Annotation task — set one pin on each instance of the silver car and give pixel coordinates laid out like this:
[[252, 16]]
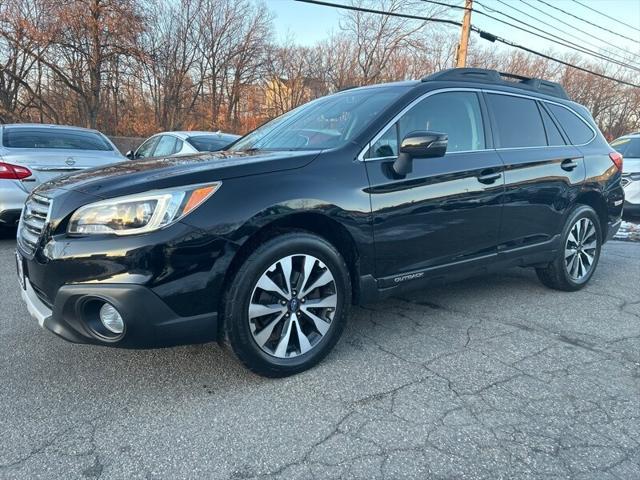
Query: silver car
[[629, 147], [167, 144], [31, 154]]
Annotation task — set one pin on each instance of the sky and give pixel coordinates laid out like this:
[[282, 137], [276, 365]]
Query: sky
[[308, 24]]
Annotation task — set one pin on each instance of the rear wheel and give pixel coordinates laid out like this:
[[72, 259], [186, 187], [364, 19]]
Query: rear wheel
[[579, 255], [287, 305]]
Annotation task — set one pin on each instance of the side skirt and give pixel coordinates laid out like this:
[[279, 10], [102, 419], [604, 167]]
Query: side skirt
[[372, 289]]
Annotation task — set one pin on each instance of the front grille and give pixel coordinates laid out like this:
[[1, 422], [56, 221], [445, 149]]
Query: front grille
[[626, 180], [35, 217]]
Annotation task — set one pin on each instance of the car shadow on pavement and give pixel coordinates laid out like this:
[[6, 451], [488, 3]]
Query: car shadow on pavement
[[7, 233]]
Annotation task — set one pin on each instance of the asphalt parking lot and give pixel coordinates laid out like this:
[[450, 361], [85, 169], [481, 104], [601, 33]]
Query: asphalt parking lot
[[493, 377]]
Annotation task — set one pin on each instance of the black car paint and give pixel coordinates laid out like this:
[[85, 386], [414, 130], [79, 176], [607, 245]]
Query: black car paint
[[439, 222]]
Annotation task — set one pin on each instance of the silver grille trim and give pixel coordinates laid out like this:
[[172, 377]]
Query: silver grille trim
[[34, 219]]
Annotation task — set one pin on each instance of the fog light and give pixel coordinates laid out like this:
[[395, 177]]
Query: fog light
[[111, 319]]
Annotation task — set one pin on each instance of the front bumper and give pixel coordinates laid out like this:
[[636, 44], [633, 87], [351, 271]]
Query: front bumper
[[631, 196], [149, 322], [166, 285]]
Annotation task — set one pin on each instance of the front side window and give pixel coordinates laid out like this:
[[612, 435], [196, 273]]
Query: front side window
[[576, 129], [457, 114], [327, 122], [53, 138], [518, 121], [146, 149]]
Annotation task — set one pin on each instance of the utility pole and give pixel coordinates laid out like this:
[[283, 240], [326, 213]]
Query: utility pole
[[461, 53]]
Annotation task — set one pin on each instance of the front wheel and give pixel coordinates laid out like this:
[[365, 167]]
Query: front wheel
[[579, 255], [287, 305]]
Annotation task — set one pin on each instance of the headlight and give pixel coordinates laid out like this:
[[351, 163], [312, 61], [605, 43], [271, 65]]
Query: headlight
[[139, 213]]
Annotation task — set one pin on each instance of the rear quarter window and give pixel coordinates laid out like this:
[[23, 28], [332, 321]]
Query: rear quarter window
[[53, 138], [576, 129]]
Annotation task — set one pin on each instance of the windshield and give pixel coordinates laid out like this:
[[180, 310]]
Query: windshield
[[327, 122], [56, 138], [629, 146]]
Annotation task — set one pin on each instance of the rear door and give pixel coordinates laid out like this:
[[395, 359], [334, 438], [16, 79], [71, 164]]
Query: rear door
[[167, 145], [543, 172], [49, 152], [148, 147]]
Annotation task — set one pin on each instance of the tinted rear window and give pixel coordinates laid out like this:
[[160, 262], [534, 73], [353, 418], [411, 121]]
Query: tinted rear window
[[518, 120], [54, 138], [209, 143], [578, 132]]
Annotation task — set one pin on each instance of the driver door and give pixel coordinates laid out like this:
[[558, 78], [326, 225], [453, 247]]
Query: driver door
[[447, 211], [147, 148]]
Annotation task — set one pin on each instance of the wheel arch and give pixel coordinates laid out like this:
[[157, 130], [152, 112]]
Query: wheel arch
[[596, 201], [310, 222]]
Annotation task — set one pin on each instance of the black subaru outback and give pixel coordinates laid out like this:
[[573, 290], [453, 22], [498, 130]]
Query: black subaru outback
[[347, 199]]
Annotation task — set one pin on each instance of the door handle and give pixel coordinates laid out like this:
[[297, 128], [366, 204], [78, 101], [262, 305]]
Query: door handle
[[569, 164], [489, 178]]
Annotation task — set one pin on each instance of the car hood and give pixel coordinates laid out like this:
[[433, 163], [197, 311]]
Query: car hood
[[135, 176]]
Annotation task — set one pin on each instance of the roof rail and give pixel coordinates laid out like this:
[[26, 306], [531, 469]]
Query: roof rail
[[482, 75]]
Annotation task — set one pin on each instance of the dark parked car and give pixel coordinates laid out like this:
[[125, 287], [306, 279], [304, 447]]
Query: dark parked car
[[347, 199]]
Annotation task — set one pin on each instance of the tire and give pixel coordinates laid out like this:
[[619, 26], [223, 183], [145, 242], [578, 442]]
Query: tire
[[257, 323], [569, 271]]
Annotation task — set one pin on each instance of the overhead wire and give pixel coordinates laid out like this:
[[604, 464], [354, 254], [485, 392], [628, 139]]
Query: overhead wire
[[617, 20], [551, 37], [484, 34], [635, 40]]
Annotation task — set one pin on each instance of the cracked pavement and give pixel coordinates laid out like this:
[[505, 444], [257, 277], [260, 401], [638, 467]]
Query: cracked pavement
[[494, 377]]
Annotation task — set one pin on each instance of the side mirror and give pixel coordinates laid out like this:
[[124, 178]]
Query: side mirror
[[419, 145], [130, 155]]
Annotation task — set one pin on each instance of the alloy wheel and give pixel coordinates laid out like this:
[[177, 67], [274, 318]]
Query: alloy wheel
[[580, 249], [292, 306]]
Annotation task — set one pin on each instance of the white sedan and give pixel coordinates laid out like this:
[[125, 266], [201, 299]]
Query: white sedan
[[167, 144]]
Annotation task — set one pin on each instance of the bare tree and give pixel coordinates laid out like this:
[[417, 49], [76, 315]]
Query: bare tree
[[21, 73], [170, 55], [77, 39]]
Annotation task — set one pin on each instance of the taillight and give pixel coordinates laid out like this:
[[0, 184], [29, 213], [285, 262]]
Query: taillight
[[13, 172], [616, 158]]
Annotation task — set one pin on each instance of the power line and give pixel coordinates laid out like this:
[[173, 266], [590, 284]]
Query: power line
[[611, 52], [551, 37], [635, 40], [484, 34], [549, 57], [617, 20], [391, 14], [559, 39]]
